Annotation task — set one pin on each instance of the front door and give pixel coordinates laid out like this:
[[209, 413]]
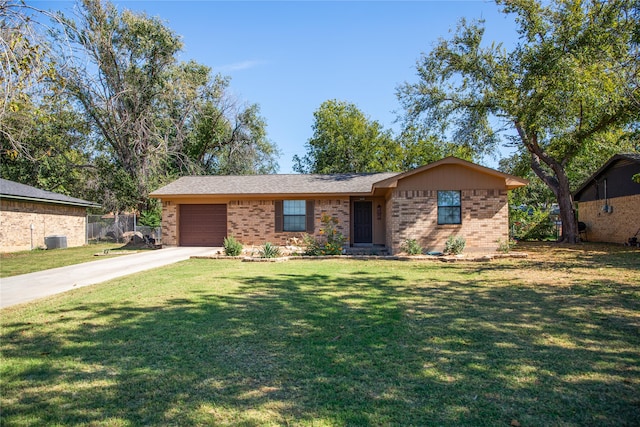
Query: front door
[[362, 223]]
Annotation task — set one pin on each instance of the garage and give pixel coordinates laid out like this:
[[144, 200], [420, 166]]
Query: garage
[[203, 225]]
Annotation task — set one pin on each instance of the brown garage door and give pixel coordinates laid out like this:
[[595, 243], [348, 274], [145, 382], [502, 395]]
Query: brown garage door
[[203, 225]]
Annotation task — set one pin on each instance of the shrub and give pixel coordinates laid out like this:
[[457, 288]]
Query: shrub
[[331, 242], [454, 245], [151, 218], [412, 247], [269, 251], [231, 246], [505, 246], [531, 224]]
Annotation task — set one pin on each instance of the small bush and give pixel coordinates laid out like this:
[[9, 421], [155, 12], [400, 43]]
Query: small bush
[[269, 251], [412, 247], [454, 245], [331, 242], [505, 246], [231, 246]]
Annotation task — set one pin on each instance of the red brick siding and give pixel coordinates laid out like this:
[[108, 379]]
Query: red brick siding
[[252, 222], [413, 214], [169, 224]]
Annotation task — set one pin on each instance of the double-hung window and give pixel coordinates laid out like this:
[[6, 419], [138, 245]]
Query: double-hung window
[[449, 207], [294, 215]]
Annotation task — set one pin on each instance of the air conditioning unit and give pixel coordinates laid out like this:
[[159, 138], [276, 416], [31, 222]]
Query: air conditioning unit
[[55, 242]]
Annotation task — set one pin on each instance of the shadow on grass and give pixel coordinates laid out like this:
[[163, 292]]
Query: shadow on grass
[[356, 348]]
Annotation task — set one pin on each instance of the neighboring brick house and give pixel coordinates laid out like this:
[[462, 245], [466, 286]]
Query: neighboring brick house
[[28, 215], [609, 201], [429, 204]]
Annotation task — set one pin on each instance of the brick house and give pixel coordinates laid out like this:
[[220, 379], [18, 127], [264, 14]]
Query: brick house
[[429, 204], [28, 215], [609, 201]]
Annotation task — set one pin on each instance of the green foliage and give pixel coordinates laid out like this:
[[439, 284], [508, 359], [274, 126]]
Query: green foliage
[[531, 223], [346, 141], [151, 217], [560, 94], [454, 245], [152, 117], [270, 251], [412, 247], [231, 246], [331, 241]]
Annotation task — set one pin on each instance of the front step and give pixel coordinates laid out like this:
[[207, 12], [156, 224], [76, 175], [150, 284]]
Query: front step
[[367, 250]]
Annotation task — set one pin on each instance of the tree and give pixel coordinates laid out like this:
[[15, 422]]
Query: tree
[[345, 140], [52, 154], [122, 87], [568, 87], [25, 68], [149, 111], [230, 140]]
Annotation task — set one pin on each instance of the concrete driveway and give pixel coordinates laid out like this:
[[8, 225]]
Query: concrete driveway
[[28, 287]]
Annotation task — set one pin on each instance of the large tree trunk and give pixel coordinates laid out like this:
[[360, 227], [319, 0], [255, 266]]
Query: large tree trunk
[[559, 184], [570, 233]]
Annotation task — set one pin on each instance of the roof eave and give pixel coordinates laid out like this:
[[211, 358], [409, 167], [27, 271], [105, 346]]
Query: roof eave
[[55, 202], [255, 195], [604, 167]]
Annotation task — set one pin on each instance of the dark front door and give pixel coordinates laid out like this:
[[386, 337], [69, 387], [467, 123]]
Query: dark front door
[[362, 222]]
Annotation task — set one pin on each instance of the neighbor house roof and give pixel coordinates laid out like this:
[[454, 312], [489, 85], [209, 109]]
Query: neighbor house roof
[[15, 190], [296, 184], [623, 157]]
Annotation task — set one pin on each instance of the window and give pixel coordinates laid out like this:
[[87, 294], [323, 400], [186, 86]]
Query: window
[[294, 215], [449, 207]]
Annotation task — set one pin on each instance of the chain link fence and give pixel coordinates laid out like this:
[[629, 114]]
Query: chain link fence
[[119, 228]]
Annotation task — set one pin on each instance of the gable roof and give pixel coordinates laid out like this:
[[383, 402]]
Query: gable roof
[[511, 181], [625, 157], [15, 190], [297, 184]]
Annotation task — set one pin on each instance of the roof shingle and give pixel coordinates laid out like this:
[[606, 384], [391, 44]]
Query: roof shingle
[[15, 190], [272, 184]]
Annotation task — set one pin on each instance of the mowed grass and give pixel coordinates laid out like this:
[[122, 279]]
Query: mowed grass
[[14, 263], [550, 340]]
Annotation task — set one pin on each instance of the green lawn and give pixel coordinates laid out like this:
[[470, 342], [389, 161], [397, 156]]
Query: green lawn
[[550, 340], [14, 263]]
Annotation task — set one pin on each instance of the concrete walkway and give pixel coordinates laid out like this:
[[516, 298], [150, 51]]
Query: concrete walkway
[[28, 287]]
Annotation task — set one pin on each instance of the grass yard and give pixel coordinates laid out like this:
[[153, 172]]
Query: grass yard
[[14, 263], [552, 340]]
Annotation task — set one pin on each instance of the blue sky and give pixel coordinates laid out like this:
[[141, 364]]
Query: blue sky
[[290, 56]]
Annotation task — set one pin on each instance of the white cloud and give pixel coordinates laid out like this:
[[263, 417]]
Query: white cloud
[[238, 66]]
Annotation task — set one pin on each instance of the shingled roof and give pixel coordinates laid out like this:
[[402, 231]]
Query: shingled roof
[[15, 190], [286, 184], [633, 158]]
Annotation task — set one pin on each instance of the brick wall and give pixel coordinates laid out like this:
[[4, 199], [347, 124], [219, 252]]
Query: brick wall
[[413, 214], [614, 227], [16, 218], [252, 222], [169, 224]]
